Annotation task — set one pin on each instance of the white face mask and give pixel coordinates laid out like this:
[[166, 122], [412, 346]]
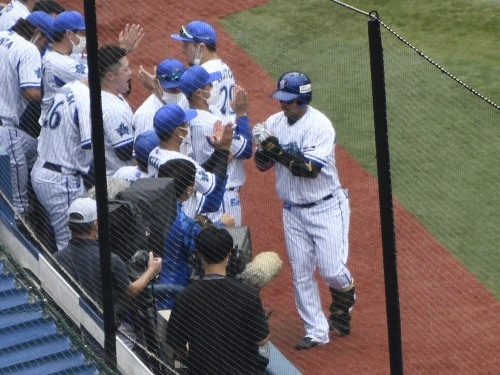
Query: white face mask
[[197, 59], [187, 136], [78, 48], [170, 98]]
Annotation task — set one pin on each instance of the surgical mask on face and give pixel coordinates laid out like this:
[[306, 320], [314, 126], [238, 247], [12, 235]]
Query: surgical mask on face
[[78, 48], [197, 59], [35, 38], [187, 136], [170, 98]]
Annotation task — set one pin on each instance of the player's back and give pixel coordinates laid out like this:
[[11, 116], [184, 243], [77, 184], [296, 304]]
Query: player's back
[[222, 92], [57, 70], [65, 138]]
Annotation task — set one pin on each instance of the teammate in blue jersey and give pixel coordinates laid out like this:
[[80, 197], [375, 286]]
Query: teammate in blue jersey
[[299, 142], [179, 244]]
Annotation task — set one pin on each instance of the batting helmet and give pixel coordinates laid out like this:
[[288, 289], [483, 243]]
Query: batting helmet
[[294, 85]]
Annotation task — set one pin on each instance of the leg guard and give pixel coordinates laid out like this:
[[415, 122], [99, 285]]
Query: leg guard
[[340, 309]]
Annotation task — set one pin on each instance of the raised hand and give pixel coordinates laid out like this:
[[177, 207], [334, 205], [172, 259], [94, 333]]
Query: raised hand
[[130, 37]]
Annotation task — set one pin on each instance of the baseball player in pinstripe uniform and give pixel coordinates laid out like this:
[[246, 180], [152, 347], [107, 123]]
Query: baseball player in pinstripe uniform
[[300, 143], [170, 123], [196, 84], [64, 155], [200, 48], [58, 67], [166, 82], [20, 77], [115, 75]]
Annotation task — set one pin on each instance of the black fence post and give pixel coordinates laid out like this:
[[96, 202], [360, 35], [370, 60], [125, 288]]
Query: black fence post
[[385, 194], [100, 183]]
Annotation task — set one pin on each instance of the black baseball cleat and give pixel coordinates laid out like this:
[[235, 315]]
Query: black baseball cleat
[[307, 343]]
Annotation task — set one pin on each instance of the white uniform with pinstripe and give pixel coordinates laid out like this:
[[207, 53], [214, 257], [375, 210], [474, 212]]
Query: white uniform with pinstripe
[[65, 153], [201, 127], [315, 215]]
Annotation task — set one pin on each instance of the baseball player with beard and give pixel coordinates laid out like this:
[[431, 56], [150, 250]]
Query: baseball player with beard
[[165, 91], [199, 46], [65, 154], [300, 143], [171, 126], [196, 84]]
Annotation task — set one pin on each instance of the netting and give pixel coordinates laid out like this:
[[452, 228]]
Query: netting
[[165, 163]]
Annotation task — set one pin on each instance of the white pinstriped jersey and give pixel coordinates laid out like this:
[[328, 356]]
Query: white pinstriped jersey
[[201, 127], [65, 138], [57, 70], [130, 173], [20, 68], [143, 116], [11, 13], [223, 90], [314, 137], [117, 117], [204, 181]]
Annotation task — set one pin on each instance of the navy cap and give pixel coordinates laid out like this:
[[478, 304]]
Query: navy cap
[[43, 21], [195, 78], [145, 143], [169, 73], [197, 32], [170, 117], [69, 20]]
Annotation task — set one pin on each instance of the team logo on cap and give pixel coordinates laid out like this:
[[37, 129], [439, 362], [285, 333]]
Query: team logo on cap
[[282, 84], [305, 88]]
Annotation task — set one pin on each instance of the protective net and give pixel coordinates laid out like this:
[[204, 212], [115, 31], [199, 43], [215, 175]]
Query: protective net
[[202, 246]]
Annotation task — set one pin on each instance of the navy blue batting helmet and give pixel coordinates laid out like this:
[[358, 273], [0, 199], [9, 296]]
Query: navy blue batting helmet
[[294, 85]]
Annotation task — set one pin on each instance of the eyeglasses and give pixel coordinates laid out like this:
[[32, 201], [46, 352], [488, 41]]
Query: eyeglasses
[[186, 34]]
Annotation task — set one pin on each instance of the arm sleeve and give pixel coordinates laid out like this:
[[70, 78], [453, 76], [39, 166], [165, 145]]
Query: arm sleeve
[[177, 324], [258, 328], [241, 147]]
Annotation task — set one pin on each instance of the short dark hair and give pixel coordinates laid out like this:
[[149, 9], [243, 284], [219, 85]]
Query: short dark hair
[[182, 171], [24, 28], [48, 6], [214, 244], [109, 56]]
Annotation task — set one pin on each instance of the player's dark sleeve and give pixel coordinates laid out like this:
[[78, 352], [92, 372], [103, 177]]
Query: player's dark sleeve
[[125, 151], [217, 163], [300, 166], [243, 129], [212, 202], [29, 119]]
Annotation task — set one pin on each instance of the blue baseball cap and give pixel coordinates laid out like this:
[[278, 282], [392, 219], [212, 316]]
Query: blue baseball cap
[[169, 73], [195, 78], [68, 20], [196, 32], [43, 21], [144, 144], [170, 117]]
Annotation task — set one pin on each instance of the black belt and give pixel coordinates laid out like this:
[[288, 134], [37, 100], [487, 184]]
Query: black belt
[[309, 205], [57, 168]]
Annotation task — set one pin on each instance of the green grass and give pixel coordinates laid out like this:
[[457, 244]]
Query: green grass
[[445, 141]]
